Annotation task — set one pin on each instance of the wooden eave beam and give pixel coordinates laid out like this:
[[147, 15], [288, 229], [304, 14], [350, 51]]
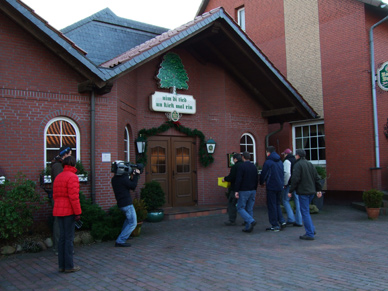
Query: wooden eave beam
[[278, 112]]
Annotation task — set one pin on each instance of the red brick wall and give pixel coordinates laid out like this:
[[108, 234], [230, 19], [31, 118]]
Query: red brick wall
[[269, 33]]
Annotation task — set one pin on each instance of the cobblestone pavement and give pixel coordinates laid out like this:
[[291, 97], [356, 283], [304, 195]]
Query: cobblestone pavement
[[349, 253]]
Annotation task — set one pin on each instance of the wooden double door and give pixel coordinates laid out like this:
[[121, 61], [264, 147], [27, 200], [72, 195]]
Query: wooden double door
[[171, 162]]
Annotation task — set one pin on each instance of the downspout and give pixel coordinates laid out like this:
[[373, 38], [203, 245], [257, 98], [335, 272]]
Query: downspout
[[92, 147], [272, 133], [372, 68]]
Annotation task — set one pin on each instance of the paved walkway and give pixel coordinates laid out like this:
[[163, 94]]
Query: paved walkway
[[350, 253]]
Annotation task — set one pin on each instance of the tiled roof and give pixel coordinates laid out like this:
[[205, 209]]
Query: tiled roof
[[104, 35], [165, 39]]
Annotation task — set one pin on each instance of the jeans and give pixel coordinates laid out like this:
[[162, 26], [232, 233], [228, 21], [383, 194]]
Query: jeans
[[291, 218], [65, 243], [275, 215], [304, 201], [245, 204], [232, 210], [129, 223]]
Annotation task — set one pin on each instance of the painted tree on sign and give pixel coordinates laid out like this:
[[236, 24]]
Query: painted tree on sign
[[172, 74]]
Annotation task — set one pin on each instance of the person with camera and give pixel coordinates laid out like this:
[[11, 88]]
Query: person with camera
[[125, 179], [56, 169], [67, 209]]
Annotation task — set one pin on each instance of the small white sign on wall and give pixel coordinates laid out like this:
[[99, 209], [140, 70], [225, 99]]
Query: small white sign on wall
[[106, 158]]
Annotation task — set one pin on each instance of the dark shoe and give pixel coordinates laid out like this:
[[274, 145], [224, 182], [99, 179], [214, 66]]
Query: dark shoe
[[244, 223], [246, 230], [229, 223], [298, 225], [283, 225], [290, 223], [305, 237], [124, 245], [75, 269], [274, 229], [61, 270], [250, 228]]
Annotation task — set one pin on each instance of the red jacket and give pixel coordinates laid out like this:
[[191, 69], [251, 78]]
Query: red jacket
[[66, 193]]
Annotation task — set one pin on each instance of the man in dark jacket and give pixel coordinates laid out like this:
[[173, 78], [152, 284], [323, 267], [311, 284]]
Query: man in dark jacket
[[122, 183], [272, 175], [288, 164], [245, 187], [306, 182], [232, 200]]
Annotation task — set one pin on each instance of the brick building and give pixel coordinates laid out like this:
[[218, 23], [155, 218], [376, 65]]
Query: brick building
[[323, 48], [96, 94]]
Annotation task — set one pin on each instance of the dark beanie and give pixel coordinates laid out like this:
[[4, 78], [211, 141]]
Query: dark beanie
[[301, 153]]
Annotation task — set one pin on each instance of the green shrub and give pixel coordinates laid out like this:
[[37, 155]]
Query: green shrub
[[373, 198], [110, 227], [153, 195], [321, 171], [91, 213], [141, 209], [18, 201]]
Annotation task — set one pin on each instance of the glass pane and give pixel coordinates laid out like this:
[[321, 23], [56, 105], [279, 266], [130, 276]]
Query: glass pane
[[53, 142], [306, 131], [162, 169], [308, 155], [250, 148], [314, 155], [179, 168], [67, 128], [321, 142], [69, 141], [54, 128], [298, 132], [321, 129], [313, 130], [306, 143], [242, 140], [298, 143], [322, 154]]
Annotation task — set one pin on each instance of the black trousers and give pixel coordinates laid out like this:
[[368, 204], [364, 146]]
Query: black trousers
[[232, 209]]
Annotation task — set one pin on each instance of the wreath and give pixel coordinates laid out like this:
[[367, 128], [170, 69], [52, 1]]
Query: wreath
[[204, 158]]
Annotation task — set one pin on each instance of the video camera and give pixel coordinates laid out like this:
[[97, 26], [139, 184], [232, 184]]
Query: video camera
[[120, 168]]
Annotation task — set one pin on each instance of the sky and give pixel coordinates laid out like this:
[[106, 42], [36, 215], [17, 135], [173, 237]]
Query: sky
[[165, 13]]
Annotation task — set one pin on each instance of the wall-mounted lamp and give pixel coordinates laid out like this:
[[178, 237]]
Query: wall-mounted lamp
[[210, 146], [141, 144]]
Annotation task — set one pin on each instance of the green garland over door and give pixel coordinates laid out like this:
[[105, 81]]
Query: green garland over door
[[204, 158]]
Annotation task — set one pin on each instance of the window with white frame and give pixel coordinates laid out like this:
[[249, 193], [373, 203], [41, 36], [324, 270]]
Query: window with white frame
[[126, 144], [311, 138], [241, 17], [60, 132], [248, 144]]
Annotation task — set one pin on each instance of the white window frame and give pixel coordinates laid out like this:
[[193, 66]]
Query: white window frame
[[253, 154], [309, 124], [241, 17], [77, 139], [127, 143]]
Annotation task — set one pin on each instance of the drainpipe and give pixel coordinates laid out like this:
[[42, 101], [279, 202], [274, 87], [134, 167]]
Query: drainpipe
[[373, 74], [92, 147], [272, 133]]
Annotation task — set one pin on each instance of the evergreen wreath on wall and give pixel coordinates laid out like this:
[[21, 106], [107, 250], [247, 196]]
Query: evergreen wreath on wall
[[204, 158]]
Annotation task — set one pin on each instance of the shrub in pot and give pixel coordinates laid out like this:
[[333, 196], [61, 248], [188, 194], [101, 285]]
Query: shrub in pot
[[373, 200], [153, 195]]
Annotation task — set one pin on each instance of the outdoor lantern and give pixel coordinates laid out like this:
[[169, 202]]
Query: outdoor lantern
[[140, 143], [210, 145]]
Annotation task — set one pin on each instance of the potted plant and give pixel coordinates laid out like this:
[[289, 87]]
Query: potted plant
[[81, 172], [154, 197], [318, 202], [46, 175], [141, 214], [373, 200]]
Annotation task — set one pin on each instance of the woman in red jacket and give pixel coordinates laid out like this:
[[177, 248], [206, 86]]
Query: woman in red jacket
[[67, 209]]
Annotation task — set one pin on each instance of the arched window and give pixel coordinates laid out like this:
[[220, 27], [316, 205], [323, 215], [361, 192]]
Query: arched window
[[126, 145], [61, 131], [247, 143]]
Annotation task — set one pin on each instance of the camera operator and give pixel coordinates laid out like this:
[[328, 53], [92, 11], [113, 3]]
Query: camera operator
[[122, 183]]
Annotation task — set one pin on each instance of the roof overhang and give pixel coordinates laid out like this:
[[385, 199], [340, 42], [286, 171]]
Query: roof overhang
[[215, 38]]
